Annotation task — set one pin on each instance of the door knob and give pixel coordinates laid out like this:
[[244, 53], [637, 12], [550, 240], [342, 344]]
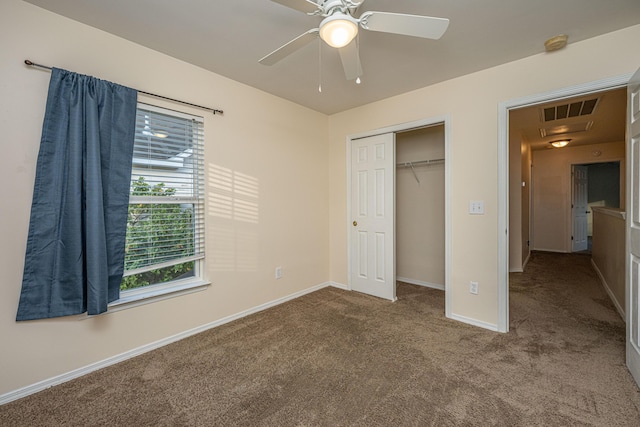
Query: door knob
[[355, 223]]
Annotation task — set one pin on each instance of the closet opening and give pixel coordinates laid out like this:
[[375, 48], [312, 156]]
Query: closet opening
[[399, 209], [420, 206]]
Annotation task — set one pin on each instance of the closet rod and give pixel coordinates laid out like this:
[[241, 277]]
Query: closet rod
[[214, 110], [419, 162]]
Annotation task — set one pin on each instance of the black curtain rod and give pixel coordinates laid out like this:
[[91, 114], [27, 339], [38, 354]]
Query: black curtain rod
[[214, 110]]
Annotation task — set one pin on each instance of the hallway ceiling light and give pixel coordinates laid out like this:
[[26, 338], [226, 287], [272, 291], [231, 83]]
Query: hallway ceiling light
[[560, 143]]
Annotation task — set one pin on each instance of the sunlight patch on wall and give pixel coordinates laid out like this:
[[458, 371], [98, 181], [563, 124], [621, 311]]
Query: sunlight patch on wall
[[233, 249], [233, 209], [232, 195]]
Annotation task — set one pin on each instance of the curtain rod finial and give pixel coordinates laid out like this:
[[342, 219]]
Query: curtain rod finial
[[26, 61]]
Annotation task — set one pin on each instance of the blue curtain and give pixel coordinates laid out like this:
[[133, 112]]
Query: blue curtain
[[75, 246]]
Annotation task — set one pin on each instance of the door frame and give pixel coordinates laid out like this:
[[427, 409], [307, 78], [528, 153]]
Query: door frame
[[503, 172], [403, 127], [572, 210]]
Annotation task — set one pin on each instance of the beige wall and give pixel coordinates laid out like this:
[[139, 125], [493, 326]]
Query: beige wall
[[281, 146], [472, 103], [608, 253], [525, 208], [515, 200], [519, 199], [552, 222], [420, 207]]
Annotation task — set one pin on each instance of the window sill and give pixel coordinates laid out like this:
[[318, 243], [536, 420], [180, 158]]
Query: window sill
[[138, 297]]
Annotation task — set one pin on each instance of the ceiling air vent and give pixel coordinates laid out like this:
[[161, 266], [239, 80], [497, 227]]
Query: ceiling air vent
[[565, 111]]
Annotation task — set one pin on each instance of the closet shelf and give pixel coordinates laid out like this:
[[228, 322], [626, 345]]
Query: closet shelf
[[418, 163]]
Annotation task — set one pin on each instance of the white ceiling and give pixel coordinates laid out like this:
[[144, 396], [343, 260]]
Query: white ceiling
[[229, 37]]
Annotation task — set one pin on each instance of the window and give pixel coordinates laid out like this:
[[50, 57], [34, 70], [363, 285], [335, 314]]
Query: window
[[165, 227]]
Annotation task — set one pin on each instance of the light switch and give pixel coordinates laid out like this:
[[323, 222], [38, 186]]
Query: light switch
[[476, 207]]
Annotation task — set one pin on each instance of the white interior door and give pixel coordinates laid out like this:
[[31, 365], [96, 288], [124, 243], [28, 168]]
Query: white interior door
[[580, 206], [372, 239], [632, 312]]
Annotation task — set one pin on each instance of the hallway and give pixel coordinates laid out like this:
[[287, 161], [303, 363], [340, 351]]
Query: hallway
[[581, 337]]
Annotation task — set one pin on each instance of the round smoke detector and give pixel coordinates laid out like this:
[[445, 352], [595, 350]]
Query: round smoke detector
[[556, 43]]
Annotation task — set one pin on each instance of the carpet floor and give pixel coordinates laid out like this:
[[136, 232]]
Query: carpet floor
[[334, 358]]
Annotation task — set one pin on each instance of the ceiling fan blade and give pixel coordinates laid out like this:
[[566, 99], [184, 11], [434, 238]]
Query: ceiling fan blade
[[306, 6], [286, 50], [351, 60], [409, 25]]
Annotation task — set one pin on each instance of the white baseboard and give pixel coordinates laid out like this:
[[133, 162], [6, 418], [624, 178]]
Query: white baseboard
[[557, 251], [339, 286], [59, 379], [474, 322], [526, 261], [606, 287], [421, 283], [524, 264]]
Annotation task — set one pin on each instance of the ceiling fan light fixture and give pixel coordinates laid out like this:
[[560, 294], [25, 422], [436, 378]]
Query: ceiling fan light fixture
[[338, 29], [560, 143]]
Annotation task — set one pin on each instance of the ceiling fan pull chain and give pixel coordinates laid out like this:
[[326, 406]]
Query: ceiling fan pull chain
[[319, 65], [358, 81]]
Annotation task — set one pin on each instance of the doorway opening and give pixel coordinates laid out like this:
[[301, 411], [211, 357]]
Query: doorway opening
[[549, 207], [597, 184]]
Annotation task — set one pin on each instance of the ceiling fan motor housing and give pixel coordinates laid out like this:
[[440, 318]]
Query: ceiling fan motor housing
[[329, 7]]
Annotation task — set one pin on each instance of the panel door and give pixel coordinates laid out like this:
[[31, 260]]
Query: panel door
[[632, 293], [580, 207], [372, 222]]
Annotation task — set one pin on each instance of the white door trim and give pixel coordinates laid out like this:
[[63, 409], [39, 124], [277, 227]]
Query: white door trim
[[503, 173], [577, 193], [446, 120]]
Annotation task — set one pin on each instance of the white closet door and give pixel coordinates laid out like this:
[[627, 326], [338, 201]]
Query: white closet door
[[372, 251]]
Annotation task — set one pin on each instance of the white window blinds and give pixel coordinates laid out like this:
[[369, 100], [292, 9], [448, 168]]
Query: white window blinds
[[165, 230]]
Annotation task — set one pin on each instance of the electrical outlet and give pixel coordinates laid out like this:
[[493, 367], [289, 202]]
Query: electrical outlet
[[278, 272], [473, 288]]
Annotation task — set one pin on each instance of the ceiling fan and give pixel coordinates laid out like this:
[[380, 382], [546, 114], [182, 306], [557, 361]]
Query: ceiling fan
[[339, 27]]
